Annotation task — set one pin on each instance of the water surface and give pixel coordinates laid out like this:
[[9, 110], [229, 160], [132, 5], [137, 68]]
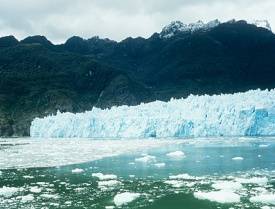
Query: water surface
[[163, 173]]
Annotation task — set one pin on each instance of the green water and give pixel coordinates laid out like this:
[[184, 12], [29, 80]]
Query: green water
[[206, 163]]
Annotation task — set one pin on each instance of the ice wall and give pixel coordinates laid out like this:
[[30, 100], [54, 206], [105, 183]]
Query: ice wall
[[242, 114]]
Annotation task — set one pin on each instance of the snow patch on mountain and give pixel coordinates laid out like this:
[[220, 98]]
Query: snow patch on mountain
[[177, 27], [261, 24]]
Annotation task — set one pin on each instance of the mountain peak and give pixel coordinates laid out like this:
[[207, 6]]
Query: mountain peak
[[176, 27], [8, 41], [37, 39]]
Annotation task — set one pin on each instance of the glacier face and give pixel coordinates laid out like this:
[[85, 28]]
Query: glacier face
[[242, 114]]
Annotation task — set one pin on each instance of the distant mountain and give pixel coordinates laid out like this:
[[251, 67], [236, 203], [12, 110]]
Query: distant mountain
[[178, 27], [8, 41], [38, 78], [261, 23], [37, 40]]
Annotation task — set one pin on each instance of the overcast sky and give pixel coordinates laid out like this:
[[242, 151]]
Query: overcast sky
[[117, 19]]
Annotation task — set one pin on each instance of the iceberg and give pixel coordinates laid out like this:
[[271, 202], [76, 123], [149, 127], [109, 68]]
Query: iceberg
[[218, 196], [125, 198], [251, 113]]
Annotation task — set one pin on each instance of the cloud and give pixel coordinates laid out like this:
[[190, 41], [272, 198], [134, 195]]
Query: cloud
[[118, 19]]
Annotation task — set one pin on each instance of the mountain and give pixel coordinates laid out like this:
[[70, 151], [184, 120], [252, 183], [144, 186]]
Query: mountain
[[36, 81], [8, 41], [178, 27], [37, 40], [197, 58], [38, 78], [261, 23]]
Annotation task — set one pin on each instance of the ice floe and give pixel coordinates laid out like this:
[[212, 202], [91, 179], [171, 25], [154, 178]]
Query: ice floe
[[28, 177], [237, 158], [109, 207], [176, 154], [108, 183], [264, 198], [50, 152], [35, 189], [184, 176], [125, 198], [77, 170], [227, 185], [27, 198], [222, 196], [160, 165], [8, 191], [253, 180], [49, 196], [102, 176], [174, 183], [146, 159], [264, 145]]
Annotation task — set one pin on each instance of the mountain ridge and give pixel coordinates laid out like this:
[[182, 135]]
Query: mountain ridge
[[39, 78], [174, 25]]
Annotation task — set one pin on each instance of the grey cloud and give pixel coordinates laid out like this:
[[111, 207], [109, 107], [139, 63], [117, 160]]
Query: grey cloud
[[117, 19]]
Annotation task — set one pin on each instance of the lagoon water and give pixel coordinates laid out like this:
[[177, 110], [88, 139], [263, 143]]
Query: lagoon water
[[151, 174]]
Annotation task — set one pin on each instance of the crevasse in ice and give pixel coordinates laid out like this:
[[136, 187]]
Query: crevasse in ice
[[241, 114]]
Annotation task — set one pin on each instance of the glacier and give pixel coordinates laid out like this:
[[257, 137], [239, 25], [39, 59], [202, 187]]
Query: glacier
[[251, 113]]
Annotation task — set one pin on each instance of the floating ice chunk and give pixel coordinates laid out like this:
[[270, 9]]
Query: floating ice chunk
[[253, 180], [218, 196], [50, 196], [56, 205], [28, 177], [190, 184], [109, 207], [8, 191], [237, 158], [184, 176], [79, 189], [43, 184], [159, 165], [77, 170], [27, 198], [174, 183], [264, 145], [267, 207], [49, 152], [146, 159], [35, 189], [125, 198], [102, 177], [264, 198], [68, 202], [176, 154], [108, 183], [227, 185]]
